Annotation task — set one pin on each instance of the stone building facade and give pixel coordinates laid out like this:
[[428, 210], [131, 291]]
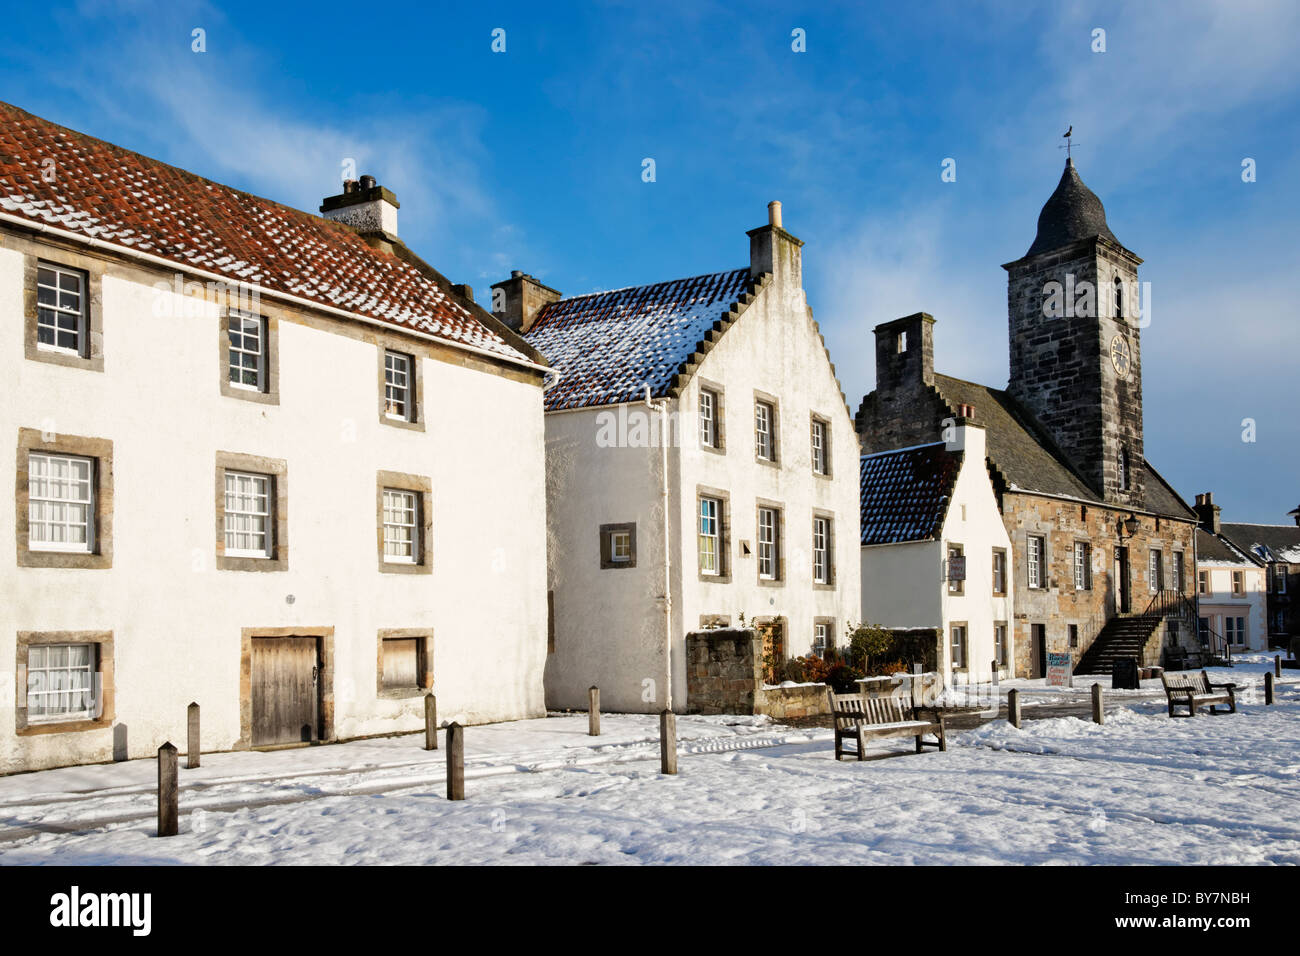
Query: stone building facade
[[1103, 548]]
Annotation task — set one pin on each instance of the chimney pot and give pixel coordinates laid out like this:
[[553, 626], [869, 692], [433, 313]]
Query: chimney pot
[[367, 182], [774, 213]]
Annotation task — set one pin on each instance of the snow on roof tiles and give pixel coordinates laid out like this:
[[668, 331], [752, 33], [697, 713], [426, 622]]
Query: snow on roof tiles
[[905, 493], [608, 346], [120, 197]]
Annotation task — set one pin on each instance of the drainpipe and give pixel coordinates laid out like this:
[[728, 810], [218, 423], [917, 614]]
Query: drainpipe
[[662, 408]]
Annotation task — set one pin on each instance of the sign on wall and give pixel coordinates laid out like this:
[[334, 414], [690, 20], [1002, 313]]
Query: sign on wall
[[957, 567], [1058, 670]]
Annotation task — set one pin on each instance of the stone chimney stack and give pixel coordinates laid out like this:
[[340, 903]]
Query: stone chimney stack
[[1208, 512], [772, 249], [517, 300], [905, 354], [367, 207]]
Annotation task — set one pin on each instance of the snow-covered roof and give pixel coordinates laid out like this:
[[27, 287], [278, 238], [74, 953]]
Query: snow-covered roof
[[1268, 542], [608, 346], [122, 198], [905, 492]]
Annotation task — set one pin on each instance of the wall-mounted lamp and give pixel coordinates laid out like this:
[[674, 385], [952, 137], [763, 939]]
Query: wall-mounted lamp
[[1129, 526]]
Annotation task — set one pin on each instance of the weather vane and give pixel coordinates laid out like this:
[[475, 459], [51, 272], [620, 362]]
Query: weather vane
[[1068, 142]]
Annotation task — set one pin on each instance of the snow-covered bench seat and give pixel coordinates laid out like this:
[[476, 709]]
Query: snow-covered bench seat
[[1196, 690], [859, 716]]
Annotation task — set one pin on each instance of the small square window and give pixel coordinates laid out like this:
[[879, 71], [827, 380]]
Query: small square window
[[618, 545], [405, 667]]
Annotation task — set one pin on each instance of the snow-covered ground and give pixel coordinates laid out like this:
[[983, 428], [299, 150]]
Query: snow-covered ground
[[1139, 789]]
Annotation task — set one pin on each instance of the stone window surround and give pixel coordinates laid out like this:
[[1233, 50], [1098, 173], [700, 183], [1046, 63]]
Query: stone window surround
[[270, 393], [719, 417], [93, 269], [1000, 654], [1003, 553], [607, 562], [830, 633], [948, 548], [99, 449], [829, 473], [832, 581], [1043, 577], [1087, 568], [424, 663], [278, 469], [325, 651], [724, 539], [775, 425], [423, 487], [388, 343], [781, 533], [965, 644], [103, 641]]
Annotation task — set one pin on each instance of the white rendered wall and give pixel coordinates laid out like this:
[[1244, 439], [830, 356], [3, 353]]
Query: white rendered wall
[[1220, 602]]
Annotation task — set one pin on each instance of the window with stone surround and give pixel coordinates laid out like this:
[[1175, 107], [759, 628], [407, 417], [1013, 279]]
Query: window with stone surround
[[1035, 554], [404, 522], [252, 513], [764, 431], [1238, 583], [958, 646], [999, 571], [1279, 578], [769, 544], [62, 321], [618, 545], [1202, 582], [64, 501], [1000, 642], [1156, 570], [1082, 566], [821, 460], [821, 540], [64, 681], [250, 345]]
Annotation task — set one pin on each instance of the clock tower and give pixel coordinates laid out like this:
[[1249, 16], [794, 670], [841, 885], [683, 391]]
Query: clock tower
[[1074, 317]]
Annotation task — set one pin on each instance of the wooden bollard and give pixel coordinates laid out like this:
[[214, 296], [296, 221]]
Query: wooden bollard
[[1013, 707], [430, 722], [1268, 688], [668, 742], [1098, 712], [455, 762], [1277, 665], [593, 711], [168, 791], [192, 759]]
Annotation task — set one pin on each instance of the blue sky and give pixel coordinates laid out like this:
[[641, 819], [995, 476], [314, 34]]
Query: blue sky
[[531, 159]]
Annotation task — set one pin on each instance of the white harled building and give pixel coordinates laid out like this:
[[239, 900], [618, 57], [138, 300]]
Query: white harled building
[[750, 509], [267, 461]]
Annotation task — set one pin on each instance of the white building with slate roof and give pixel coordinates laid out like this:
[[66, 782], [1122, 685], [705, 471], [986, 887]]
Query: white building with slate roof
[[749, 509], [936, 554]]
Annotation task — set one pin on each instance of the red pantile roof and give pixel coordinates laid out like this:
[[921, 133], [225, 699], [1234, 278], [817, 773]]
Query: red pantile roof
[[122, 198]]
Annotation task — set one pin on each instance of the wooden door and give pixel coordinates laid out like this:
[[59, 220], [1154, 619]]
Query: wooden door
[[286, 690]]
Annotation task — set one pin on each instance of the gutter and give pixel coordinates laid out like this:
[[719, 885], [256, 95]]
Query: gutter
[[662, 407], [173, 266]]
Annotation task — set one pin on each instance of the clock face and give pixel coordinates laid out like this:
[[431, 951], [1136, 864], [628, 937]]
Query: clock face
[[1119, 355]]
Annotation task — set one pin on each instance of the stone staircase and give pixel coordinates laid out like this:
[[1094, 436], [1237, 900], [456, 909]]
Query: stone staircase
[[1121, 637]]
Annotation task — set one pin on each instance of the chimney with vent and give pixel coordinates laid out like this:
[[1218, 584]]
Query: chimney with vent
[[519, 299], [772, 249], [1208, 512], [367, 207]]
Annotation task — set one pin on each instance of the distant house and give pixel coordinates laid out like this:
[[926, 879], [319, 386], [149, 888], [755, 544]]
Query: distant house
[[1277, 548], [935, 552], [263, 460], [701, 466], [1231, 587]]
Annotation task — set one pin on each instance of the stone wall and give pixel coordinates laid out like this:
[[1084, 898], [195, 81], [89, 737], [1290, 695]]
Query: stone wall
[[724, 675]]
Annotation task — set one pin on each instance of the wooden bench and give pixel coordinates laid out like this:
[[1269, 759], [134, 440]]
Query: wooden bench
[[1196, 690], [859, 716]]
